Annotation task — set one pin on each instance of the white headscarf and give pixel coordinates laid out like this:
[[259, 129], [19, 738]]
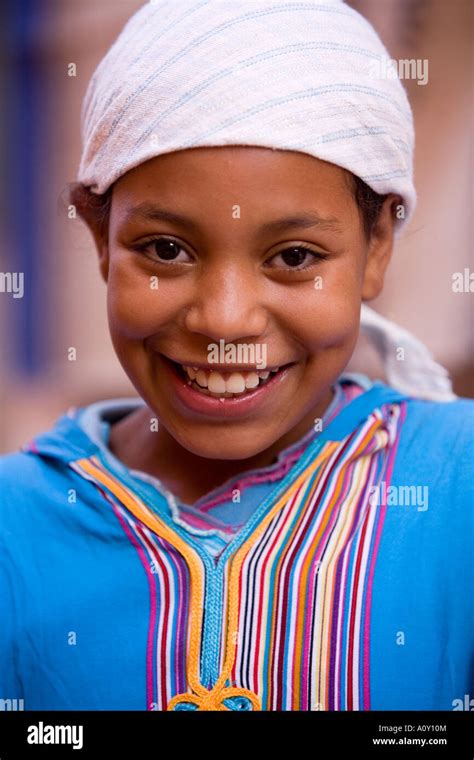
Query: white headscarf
[[283, 74]]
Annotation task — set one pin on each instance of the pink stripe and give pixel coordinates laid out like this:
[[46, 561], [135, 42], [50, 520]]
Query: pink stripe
[[250, 480], [153, 604], [195, 521], [366, 651]]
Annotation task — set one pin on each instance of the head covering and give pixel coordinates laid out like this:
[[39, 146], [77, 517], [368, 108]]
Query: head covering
[[283, 74]]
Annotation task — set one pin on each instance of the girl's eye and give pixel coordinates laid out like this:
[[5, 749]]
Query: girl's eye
[[168, 251], [295, 258], [165, 250]]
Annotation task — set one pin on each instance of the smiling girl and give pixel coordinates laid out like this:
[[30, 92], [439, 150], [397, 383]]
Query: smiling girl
[[234, 280], [224, 541]]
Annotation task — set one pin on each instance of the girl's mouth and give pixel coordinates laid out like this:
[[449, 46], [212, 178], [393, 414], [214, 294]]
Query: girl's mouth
[[224, 384], [226, 393]]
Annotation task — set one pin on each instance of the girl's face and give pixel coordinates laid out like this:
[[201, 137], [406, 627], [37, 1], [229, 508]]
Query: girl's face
[[259, 252]]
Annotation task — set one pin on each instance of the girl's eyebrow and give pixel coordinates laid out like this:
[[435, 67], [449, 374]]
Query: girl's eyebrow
[[303, 220]]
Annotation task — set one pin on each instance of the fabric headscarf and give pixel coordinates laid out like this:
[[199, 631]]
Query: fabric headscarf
[[281, 74]]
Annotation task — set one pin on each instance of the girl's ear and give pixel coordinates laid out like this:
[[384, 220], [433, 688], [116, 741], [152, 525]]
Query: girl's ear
[[94, 210], [379, 249]]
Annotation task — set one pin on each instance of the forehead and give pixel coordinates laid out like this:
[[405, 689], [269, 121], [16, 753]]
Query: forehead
[[200, 189], [234, 172]]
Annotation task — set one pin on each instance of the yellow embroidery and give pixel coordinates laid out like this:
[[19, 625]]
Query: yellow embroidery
[[214, 699]]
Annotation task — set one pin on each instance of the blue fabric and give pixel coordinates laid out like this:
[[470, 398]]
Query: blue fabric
[[74, 603]]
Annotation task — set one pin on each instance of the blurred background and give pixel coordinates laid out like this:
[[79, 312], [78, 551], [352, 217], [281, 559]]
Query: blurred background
[[64, 297]]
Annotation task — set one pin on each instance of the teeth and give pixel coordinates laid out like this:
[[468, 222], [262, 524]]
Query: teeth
[[201, 378], [235, 383], [252, 380], [192, 372], [225, 385], [216, 383]]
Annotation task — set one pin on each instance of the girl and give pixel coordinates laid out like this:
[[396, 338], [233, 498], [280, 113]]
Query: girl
[[271, 534]]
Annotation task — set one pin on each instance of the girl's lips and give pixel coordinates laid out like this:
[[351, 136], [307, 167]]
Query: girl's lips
[[238, 406]]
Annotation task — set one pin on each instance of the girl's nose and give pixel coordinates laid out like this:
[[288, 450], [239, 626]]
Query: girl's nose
[[227, 304]]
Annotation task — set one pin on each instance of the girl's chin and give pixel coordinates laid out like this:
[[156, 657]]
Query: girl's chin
[[215, 445]]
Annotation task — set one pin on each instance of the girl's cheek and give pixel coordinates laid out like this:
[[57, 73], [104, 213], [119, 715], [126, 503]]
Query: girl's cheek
[[329, 313], [140, 304]]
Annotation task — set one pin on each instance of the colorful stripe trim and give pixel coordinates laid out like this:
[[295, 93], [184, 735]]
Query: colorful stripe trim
[[294, 626]]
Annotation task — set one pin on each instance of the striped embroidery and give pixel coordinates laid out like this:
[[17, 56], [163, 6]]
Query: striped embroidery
[[169, 582], [294, 628], [169, 585], [305, 590]]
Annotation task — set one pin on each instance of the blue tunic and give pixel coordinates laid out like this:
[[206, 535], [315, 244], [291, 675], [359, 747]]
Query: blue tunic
[[96, 569]]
